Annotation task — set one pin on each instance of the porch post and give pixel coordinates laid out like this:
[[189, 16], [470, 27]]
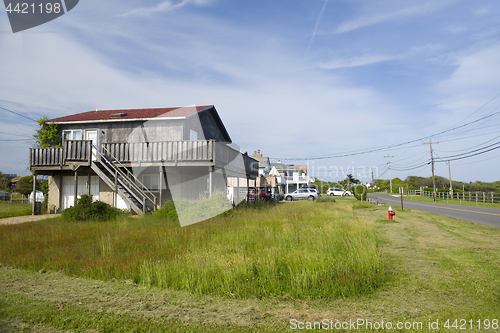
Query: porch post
[[116, 189], [248, 191], [160, 189], [34, 194], [88, 185], [238, 191], [60, 192], [210, 171], [76, 187]]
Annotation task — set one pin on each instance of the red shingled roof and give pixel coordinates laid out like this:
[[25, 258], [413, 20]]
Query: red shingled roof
[[103, 115]]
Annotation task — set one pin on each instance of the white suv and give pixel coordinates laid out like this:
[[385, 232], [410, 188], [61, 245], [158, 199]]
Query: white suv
[[303, 193], [337, 191]]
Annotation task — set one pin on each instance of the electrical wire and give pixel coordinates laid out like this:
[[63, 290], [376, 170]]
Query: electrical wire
[[491, 158], [491, 100], [19, 114], [23, 135], [387, 147]]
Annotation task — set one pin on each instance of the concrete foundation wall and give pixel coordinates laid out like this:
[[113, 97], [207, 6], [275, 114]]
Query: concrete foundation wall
[[53, 201], [106, 194]]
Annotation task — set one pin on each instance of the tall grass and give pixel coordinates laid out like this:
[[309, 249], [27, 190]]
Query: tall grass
[[301, 249], [8, 209]]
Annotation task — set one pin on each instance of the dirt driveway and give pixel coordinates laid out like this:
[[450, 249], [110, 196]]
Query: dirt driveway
[[26, 219]]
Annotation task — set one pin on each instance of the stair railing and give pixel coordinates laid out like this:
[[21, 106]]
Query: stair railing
[[131, 181]]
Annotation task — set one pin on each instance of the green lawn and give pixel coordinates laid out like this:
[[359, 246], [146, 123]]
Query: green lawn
[[8, 209], [436, 269]]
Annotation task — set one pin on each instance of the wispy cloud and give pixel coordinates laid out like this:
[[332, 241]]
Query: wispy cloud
[[318, 21], [164, 6], [364, 21], [355, 61]]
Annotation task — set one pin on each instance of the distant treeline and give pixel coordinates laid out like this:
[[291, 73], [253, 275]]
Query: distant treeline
[[415, 182]]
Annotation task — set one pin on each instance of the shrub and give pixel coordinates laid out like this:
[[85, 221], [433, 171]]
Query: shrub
[[359, 192], [166, 211], [86, 210]]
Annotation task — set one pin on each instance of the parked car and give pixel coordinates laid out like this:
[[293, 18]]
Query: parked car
[[303, 193], [311, 187], [262, 195], [333, 191]]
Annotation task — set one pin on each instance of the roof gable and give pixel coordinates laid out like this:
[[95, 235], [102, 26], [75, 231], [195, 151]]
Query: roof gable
[[280, 167], [129, 114], [263, 161]]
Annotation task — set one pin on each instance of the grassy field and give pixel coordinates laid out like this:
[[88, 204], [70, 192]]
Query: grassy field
[[435, 268], [286, 249], [8, 209]]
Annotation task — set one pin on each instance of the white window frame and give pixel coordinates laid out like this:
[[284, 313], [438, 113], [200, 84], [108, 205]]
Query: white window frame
[[72, 134]]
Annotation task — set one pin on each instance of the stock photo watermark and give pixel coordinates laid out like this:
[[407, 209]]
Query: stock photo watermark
[[24, 15], [365, 324]]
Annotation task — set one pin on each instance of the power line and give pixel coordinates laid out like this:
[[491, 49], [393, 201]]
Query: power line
[[478, 153], [491, 100], [24, 135], [471, 151], [387, 147], [19, 114], [487, 159]]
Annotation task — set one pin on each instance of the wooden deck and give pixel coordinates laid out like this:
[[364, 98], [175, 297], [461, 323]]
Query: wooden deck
[[168, 153]]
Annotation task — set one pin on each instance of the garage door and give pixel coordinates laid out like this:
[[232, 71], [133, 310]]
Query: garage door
[[68, 191]]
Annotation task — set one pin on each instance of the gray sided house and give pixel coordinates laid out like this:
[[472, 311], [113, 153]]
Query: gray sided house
[[138, 159]]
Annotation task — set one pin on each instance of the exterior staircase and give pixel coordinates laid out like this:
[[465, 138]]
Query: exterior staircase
[[123, 182]]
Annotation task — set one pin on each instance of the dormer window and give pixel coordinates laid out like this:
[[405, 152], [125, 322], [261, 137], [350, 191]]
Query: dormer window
[[72, 135]]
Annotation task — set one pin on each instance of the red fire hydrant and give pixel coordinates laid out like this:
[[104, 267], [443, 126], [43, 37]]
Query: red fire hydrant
[[391, 213]]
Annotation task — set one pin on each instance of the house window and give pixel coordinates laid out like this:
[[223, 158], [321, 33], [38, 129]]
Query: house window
[[72, 135], [151, 182], [193, 135]]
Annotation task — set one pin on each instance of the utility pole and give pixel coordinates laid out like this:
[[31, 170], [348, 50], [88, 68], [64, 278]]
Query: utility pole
[[373, 180], [451, 184], [432, 161], [390, 176]]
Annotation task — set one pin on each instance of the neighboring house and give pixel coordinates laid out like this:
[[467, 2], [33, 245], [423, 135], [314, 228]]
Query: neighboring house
[[294, 176], [139, 159], [13, 182], [264, 164]]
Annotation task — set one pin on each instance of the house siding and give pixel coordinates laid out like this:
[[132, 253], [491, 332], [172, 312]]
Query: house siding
[[133, 131]]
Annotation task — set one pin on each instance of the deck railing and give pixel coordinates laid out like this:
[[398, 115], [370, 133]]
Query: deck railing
[[71, 151], [218, 154], [130, 152]]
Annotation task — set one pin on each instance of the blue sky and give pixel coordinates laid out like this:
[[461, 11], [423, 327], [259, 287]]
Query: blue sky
[[297, 78]]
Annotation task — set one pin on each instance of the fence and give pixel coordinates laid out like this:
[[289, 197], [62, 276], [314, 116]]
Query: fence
[[490, 197], [14, 198]]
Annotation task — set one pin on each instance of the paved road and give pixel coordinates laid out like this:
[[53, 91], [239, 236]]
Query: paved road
[[486, 216]]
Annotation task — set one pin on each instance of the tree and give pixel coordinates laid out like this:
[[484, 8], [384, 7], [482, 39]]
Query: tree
[[48, 134], [349, 181], [25, 185], [4, 181]]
